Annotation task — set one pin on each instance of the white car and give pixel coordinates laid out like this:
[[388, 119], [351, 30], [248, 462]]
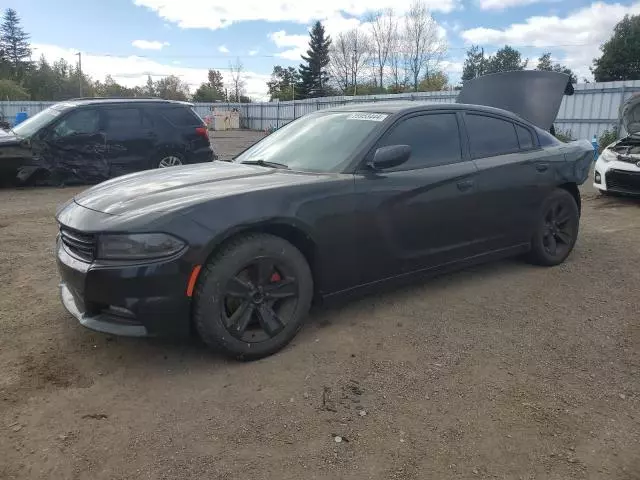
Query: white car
[[617, 169]]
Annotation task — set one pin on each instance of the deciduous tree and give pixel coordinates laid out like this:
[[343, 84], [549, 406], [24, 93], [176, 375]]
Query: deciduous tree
[[620, 58]]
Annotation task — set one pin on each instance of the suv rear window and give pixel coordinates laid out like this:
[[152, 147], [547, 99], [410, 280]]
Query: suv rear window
[[181, 116]]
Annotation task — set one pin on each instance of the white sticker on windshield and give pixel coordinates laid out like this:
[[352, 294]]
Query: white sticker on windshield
[[373, 117]]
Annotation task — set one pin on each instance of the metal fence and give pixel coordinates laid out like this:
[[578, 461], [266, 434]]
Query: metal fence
[[592, 109]]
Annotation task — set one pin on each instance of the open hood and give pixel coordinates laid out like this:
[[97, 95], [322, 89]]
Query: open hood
[[531, 94], [630, 115]]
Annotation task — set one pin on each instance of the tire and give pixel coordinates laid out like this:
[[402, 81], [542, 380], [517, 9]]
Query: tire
[[556, 230], [169, 159], [253, 297]]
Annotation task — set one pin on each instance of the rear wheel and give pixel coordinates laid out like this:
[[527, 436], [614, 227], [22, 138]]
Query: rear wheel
[[170, 160], [253, 297], [556, 231]]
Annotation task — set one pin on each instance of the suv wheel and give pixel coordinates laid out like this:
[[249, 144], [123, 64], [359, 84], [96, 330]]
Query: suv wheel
[[170, 160]]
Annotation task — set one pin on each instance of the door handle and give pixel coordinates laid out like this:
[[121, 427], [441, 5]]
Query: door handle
[[465, 185], [542, 167]]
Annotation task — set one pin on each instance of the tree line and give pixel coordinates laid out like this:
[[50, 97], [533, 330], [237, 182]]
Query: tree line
[[390, 54], [387, 54], [21, 78]]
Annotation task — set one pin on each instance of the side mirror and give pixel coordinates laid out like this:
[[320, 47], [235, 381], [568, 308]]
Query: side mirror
[[389, 157]]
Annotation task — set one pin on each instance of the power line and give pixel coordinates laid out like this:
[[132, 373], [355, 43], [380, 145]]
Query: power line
[[277, 55]]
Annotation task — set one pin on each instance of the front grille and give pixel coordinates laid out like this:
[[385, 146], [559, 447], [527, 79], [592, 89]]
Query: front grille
[[626, 182], [78, 244]]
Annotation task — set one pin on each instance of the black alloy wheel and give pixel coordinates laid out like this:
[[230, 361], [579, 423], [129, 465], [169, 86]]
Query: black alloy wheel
[[557, 230], [253, 296], [259, 300]]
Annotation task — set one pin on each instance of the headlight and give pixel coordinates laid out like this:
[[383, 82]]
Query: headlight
[[608, 155], [139, 246]]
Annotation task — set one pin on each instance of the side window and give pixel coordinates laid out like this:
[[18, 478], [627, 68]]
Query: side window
[[434, 140], [490, 136], [181, 116], [147, 118], [123, 120], [524, 138], [79, 122]]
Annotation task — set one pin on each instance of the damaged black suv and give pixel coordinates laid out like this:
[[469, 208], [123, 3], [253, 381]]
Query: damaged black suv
[[87, 141]]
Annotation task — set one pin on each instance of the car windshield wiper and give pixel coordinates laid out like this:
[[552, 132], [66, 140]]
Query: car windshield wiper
[[262, 163]]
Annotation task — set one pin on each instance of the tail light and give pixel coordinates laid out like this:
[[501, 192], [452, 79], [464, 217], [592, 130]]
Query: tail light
[[202, 132]]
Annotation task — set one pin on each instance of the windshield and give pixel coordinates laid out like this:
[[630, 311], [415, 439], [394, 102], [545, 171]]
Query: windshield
[[35, 123], [317, 142]]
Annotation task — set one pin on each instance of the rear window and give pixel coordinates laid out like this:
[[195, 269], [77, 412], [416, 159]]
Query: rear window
[[546, 139], [181, 116], [490, 136], [524, 137]]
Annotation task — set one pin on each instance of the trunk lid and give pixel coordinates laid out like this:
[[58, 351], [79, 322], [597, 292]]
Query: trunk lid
[[531, 94]]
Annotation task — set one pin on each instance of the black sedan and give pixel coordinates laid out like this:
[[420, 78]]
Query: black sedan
[[335, 202]]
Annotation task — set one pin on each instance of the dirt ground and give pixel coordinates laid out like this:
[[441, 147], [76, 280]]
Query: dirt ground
[[504, 371]]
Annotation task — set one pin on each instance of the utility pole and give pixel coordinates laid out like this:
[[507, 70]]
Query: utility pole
[[80, 72]]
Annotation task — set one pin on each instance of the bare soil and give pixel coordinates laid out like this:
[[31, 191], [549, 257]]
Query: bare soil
[[503, 371]]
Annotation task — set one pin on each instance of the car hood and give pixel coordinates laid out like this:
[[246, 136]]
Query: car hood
[[8, 138], [176, 188], [531, 94], [630, 115]]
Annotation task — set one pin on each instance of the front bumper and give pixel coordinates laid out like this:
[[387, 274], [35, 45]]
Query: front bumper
[[617, 177], [131, 300]]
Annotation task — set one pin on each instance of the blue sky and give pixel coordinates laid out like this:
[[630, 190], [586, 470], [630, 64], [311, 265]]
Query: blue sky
[[130, 39]]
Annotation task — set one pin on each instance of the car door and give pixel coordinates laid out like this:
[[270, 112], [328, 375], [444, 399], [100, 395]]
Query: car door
[[130, 139], [417, 215], [74, 149], [513, 177]]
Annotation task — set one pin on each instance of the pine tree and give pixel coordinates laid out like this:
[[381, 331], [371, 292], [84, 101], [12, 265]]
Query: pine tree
[[475, 64], [314, 79], [150, 88], [14, 43]]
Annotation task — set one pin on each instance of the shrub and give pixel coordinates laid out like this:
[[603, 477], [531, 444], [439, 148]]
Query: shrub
[[564, 135], [607, 138]]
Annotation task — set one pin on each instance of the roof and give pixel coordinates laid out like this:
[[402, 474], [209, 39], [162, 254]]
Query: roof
[[408, 106], [108, 101]]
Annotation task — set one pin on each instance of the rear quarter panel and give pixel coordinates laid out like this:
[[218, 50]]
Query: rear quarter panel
[[577, 165]]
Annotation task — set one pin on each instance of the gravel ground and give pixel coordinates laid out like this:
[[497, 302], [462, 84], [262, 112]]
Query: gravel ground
[[503, 371]]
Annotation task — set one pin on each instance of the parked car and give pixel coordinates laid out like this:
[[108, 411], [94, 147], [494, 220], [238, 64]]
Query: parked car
[[338, 201], [617, 169], [92, 140]]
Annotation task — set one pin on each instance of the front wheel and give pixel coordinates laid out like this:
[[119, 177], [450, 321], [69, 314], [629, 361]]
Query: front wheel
[[253, 297], [556, 230]]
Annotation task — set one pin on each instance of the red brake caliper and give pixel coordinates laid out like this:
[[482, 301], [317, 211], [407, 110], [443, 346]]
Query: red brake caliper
[[275, 277]]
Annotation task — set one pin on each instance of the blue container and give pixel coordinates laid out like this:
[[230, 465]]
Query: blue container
[[594, 142], [20, 117]]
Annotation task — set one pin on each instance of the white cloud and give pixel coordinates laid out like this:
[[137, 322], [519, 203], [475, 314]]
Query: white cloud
[[133, 70], [149, 45], [253, 52], [504, 4], [215, 14], [296, 45], [579, 34], [223, 49]]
